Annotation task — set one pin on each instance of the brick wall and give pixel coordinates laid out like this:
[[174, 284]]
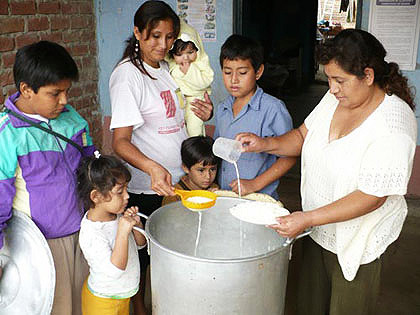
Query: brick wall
[[70, 23]]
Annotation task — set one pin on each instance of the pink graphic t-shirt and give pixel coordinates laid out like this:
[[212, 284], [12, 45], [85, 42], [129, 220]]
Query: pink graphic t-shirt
[[152, 108]]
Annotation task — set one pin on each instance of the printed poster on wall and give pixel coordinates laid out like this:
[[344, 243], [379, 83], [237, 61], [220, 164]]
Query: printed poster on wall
[[200, 14], [396, 24]]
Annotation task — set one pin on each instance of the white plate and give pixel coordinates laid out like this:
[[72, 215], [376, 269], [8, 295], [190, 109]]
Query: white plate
[[258, 212]]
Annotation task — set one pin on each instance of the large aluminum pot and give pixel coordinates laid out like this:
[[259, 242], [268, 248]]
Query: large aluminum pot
[[233, 267]]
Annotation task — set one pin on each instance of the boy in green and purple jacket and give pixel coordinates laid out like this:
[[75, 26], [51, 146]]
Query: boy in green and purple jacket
[[37, 169]]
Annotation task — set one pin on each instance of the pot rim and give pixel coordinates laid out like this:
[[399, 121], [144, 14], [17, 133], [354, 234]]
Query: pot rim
[[212, 260]]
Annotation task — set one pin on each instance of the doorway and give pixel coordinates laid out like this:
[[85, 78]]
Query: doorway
[[289, 32]]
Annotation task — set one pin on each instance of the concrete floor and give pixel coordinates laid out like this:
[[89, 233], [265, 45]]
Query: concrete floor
[[400, 283]]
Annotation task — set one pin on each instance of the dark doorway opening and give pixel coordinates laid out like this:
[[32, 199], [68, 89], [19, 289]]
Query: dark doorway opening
[[287, 30]]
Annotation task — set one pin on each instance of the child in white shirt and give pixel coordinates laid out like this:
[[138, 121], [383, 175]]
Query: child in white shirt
[[107, 238]]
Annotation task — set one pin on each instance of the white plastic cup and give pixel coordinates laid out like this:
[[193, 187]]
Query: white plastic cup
[[227, 149]]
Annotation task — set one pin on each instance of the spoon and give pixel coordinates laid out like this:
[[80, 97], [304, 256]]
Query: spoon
[[197, 200]]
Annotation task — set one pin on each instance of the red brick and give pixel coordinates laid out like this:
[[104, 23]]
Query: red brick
[[91, 88], [86, 8], [25, 39], [10, 90], [6, 43], [8, 59], [88, 36], [4, 8], [78, 63], [38, 24], [69, 37], [78, 22], [6, 77], [69, 8], [88, 61], [22, 8], [75, 91], [52, 37], [49, 7], [92, 48], [12, 25], [60, 22], [79, 50], [2, 98], [91, 21]]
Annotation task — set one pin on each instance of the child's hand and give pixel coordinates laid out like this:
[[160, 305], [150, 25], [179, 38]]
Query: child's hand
[[125, 225], [184, 66], [132, 213], [203, 109], [247, 186]]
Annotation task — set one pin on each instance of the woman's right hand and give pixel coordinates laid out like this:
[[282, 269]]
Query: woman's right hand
[[251, 142], [161, 180]]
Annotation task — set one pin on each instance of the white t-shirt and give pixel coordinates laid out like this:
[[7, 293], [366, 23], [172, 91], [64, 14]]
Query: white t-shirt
[[375, 158], [152, 108], [97, 241]]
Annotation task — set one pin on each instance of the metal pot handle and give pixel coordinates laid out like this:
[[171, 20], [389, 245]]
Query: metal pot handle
[[142, 231], [291, 240]]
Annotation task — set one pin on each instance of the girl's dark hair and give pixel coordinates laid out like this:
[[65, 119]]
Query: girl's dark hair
[[147, 17], [242, 47], [355, 50], [179, 46], [197, 149], [102, 174], [43, 63]]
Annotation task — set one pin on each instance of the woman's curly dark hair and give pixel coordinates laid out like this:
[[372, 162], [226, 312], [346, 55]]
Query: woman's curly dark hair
[[355, 50]]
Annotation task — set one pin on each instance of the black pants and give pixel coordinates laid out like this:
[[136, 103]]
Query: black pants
[[147, 204]]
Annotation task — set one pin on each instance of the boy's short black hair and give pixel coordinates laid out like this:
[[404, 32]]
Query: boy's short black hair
[[198, 149], [242, 47], [43, 63], [179, 46]]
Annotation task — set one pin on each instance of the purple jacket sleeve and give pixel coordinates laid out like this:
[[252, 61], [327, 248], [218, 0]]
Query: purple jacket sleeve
[[7, 193]]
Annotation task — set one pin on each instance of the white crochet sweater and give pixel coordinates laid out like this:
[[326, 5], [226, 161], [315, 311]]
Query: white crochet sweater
[[375, 158]]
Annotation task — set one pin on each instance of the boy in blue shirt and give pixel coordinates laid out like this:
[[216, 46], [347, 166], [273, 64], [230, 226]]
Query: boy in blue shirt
[[249, 109]]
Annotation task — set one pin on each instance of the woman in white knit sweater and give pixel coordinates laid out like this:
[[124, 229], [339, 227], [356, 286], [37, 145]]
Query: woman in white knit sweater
[[357, 148]]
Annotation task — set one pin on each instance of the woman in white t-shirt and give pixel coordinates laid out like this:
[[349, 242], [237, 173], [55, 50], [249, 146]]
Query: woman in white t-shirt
[[357, 149], [147, 122]]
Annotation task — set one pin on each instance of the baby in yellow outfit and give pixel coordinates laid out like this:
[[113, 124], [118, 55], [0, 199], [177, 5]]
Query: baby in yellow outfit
[[190, 67]]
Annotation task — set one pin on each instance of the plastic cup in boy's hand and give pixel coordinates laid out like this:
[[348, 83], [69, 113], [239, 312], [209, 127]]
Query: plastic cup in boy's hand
[[227, 149]]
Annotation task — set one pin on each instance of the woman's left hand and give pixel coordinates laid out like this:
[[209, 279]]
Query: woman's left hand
[[203, 109], [291, 225]]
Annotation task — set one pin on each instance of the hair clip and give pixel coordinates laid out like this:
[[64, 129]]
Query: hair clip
[[97, 154]]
